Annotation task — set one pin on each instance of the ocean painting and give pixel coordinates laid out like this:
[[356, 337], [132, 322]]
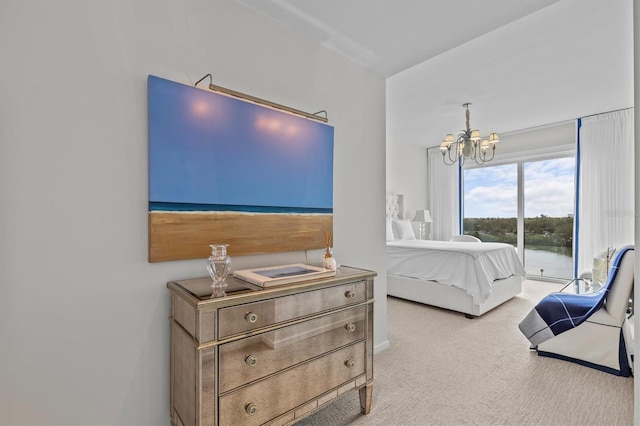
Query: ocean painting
[[228, 171]]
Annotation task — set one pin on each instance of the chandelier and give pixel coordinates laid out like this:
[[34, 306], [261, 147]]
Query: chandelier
[[468, 145]]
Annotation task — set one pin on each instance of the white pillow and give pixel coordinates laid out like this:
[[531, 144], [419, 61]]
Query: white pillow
[[390, 236], [403, 229]]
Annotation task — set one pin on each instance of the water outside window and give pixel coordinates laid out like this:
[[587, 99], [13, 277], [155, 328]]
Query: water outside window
[[491, 211]]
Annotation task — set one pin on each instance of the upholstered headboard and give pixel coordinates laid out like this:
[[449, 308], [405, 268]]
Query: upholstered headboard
[[395, 206]]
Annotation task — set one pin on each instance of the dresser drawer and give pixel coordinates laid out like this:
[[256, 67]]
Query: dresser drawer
[[267, 399], [250, 316], [255, 357]]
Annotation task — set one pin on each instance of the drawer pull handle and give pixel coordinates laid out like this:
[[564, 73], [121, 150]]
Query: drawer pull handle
[[251, 360], [251, 317], [350, 294], [250, 408], [350, 327], [350, 363]]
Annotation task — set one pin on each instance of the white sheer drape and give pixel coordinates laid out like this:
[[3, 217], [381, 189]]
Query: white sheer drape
[[442, 187], [606, 197]]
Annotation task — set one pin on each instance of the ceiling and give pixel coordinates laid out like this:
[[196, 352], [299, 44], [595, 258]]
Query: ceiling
[[389, 36], [521, 64]]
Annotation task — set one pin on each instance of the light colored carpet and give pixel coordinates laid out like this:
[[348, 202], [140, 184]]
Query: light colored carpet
[[444, 369]]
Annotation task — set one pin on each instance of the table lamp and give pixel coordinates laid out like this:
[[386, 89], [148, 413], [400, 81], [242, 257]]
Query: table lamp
[[422, 217]]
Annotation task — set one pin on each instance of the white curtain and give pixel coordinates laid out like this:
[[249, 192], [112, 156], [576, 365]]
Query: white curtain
[[606, 187], [442, 196]]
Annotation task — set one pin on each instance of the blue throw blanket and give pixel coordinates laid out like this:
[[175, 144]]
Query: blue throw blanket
[[559, 312]]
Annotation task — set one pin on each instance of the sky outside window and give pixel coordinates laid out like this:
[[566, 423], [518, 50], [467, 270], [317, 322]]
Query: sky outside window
[[549, 188], [492, 191]]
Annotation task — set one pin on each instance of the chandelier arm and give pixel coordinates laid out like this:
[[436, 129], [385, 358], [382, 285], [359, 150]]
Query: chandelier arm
[[455, 156], [482, 157], [448, 163], [493, 154], [444, 157]]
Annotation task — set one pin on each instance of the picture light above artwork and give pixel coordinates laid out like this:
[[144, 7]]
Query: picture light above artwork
[[225, 169], [240, 95]]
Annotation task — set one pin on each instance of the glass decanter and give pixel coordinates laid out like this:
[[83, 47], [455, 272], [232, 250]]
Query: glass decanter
[[219, 266]]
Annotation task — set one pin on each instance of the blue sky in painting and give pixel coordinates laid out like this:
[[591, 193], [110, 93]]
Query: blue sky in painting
[[548, 189], [208, 148]]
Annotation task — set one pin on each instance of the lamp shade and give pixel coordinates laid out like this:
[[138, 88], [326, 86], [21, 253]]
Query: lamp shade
[[422, 216]]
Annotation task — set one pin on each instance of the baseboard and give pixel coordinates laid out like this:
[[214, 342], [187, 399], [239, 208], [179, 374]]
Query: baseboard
[[381, 347]]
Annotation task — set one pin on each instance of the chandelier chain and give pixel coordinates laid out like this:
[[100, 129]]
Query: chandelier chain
[[468, 114]]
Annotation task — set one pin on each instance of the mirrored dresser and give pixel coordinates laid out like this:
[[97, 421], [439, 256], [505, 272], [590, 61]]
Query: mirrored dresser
[[269, 356]]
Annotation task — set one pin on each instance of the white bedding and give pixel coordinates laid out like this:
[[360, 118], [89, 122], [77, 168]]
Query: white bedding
[[470, 266]]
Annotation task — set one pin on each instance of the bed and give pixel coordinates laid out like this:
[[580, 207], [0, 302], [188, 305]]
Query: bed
[[467, 277]]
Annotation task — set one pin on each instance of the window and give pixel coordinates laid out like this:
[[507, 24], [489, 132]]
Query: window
[[526, 203], [548, 217], [491, 203]]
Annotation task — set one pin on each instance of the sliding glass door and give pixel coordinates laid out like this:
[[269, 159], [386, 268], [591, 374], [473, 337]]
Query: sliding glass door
[[548, 217], [491, 203], [528, 204]]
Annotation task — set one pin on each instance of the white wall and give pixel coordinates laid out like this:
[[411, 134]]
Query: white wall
[[83, 315], [537, 141], [407, 174]]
